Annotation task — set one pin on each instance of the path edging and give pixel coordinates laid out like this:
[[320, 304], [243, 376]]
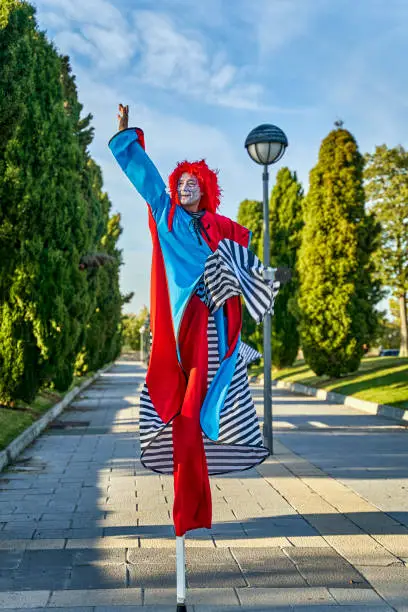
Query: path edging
[[16, 446], [389, 412]]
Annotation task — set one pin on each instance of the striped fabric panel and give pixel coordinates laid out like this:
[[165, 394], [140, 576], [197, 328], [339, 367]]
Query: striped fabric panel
[[248, 353], [239, 446], [234, 270]]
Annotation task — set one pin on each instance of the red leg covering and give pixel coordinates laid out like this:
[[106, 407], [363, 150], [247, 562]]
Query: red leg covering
[[192, 494]]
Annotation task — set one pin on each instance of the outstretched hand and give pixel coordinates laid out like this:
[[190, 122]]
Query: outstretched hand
[[283, 275], [123, 117]]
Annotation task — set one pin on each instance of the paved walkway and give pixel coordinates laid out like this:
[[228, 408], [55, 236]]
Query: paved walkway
[[321, 526]]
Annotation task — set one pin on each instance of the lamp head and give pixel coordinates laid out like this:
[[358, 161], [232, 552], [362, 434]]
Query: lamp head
[[266, 144]]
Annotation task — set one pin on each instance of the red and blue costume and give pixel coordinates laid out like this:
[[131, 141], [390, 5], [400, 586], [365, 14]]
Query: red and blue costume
[[178, 387]]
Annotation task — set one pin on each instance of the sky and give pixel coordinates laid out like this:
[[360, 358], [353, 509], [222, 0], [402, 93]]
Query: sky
[[199, 76]]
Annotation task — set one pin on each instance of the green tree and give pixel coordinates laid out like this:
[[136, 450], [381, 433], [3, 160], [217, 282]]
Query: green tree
[[52, 214], [131, 328], [19, 355], [285, 218], [386, 185], [338, 291], [250, 215]]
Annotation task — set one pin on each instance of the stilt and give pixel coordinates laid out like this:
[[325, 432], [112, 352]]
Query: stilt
[[181, 573]]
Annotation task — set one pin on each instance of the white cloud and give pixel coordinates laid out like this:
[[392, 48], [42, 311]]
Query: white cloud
[[276, 23], [99, 12], [179, 61], [72, 42], [114, 47], [162, 51], [94, 28]]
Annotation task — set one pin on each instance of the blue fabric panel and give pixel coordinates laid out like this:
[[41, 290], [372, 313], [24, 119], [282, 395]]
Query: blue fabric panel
[[139, 168], [221, 333], [216, 396], [184, 260]]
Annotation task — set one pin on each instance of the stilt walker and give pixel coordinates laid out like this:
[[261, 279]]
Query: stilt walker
[[197, 417]]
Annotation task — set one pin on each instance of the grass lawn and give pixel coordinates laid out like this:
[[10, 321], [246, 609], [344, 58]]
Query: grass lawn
[[13, 421], [383, 380]]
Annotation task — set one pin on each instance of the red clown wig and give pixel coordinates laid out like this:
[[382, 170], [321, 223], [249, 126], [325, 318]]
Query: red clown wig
[[207, 179]]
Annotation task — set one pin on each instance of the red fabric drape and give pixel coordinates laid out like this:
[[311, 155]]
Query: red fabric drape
[[192, 495]]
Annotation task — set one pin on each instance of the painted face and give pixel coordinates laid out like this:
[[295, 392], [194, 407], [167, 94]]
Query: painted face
[[188, 189]]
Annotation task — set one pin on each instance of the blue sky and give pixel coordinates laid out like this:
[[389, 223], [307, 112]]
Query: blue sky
[[199, 75]]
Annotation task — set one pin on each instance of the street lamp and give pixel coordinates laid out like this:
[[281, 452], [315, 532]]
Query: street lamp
[[142, 331], [266, 144]]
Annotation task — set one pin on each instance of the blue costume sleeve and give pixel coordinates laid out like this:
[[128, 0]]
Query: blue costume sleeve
[[139, 168]]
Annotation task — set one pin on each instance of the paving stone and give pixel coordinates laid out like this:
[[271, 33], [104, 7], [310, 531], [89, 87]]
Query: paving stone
[[169, 608], [118, 542], [10, 559], [324, 567], [151, 575], [45, 544], [45, 559], [212, 568], [265, 567], [238, 608], [392, 585], [65, 609], [330, 608], [6, 581], [220, 597], [98, 577], [284, 596], [41, 578], [252, 542], [95, 597], [28, 599], [101, 556], [355, 596], [19, 531]]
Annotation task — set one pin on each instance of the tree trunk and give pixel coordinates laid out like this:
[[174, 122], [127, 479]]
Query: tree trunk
[[404, 326]]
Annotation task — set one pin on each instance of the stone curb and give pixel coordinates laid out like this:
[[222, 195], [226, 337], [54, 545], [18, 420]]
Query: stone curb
[[389, 412], [11, 452]]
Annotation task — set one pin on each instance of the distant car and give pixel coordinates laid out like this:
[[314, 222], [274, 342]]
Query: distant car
[[388, 353]]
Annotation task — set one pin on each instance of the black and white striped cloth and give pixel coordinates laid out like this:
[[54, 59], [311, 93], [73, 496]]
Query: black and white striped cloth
[[239, 446], [248, 353], [230, 270], [234, 270]]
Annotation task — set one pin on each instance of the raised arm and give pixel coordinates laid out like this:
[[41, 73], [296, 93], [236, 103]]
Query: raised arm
[[128, 148]]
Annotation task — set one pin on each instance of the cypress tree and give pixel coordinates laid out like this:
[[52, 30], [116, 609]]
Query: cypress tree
[[285, 217], [52, 213], [337, 291], [19, 354], [250, 215]]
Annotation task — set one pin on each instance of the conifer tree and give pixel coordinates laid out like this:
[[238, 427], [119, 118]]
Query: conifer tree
[[285, 217], [386, 177], [250, 215], [52, 213], [338, 291], [19, 355]]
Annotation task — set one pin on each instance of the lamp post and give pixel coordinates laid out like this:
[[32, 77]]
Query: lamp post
[[142, 331], [266, 144]]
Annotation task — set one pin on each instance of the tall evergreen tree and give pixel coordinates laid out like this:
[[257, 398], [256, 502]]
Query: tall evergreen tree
[[250, 215], [19, 354], [285, 217], [52, 213], [338, 291], [386, 175]]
